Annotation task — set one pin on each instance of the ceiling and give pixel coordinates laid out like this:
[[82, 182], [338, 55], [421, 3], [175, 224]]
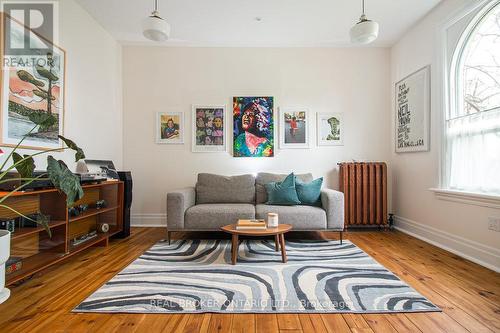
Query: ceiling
[[234, 23]]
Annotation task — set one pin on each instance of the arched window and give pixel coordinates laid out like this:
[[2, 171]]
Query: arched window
[[473, 117]]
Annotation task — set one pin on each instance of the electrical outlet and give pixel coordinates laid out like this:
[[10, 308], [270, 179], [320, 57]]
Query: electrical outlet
[[494, 223]]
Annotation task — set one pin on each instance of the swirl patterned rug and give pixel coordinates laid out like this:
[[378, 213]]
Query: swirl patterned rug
[[196, 276]]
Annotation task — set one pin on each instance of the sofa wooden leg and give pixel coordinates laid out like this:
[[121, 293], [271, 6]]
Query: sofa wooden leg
[[168, 236], [341, 237]]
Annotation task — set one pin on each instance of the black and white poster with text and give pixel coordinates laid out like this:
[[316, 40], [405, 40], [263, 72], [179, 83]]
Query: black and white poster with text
[[412, 112]]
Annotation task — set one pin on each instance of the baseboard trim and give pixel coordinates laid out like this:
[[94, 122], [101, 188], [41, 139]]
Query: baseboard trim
[[148, 220], [481, 254]]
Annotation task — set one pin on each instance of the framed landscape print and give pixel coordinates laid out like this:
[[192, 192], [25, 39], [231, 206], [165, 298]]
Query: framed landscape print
[[412, 112], [253, 127], [30, 92], [170, 127], [209, 124], [294, 128], [330, 129]]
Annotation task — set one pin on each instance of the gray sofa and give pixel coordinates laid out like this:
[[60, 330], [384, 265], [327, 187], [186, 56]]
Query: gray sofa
[[220, 200]]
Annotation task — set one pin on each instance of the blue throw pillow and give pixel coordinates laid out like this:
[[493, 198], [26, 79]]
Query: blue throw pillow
[[309, 193], [282, 193]]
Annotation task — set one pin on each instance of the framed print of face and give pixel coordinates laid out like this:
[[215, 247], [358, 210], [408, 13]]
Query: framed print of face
[[209, 128], [253, 127], [294, 128], [170, 127], [330, 129], [30, 94]]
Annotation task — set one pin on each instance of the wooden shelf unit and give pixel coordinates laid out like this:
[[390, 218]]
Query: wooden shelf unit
[[39, 251]]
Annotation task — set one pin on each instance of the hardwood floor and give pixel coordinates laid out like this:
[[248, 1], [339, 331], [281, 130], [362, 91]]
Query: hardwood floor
[[468, 294]]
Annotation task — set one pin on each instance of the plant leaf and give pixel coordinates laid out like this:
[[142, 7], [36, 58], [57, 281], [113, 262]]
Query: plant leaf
[[26, 167], [79, 154], [44, 220], [64, 179]]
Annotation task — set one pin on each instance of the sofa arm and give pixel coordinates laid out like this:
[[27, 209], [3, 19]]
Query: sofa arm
[[178, 201], [333, 204]]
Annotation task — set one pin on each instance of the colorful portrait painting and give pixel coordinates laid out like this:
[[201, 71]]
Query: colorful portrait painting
[[253, 131], [169, 127], [330, 129], [294, 132], [32, 89], [209, 129]]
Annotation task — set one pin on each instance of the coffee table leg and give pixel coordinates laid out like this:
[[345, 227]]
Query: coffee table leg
[[277, 242], [234, 249], [283, 250]]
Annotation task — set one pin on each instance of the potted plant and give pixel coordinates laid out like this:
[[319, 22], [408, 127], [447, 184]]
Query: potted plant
[[57, 172], [4, 255]]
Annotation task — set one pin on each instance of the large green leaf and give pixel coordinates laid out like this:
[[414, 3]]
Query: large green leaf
[[79, 154], [27, 77], [43, 220], [64, 179], [26, 167]]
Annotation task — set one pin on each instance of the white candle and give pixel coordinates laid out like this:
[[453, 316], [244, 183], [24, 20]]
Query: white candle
[[272, 220]]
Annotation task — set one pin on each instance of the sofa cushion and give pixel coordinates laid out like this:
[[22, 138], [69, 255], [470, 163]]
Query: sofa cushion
[[265, 178], [300, 217], [214, 216], [309, 193], [212, 188], [282, 193]]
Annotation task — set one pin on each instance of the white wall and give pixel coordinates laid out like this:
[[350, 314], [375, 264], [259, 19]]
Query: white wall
[[354, 81], [93, 115], [461, 228]]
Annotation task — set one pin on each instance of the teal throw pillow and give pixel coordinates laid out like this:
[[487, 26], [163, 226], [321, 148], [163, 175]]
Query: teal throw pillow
[[282, 193], [309, 193]]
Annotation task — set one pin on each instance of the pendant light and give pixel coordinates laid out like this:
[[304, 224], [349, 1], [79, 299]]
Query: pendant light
[[154, 27], [365, 31]]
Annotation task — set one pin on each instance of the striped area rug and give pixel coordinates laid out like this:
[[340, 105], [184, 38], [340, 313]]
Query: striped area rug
[[195, 276]]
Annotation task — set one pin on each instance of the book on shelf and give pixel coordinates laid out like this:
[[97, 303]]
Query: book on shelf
[[251, 225], [13, 265]]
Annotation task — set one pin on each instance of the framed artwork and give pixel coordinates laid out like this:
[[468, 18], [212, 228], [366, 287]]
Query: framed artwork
[[30, 92], [294, 128], [209, 133], [330, 129], [412, 100], [253, 127], [170, 127]]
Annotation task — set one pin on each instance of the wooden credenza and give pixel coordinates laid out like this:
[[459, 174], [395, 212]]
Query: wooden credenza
[[34, 246]]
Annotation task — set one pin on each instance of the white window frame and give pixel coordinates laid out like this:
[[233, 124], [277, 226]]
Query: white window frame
[[447, 71]]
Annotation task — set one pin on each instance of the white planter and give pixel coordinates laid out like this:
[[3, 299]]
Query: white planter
[[4, 256]]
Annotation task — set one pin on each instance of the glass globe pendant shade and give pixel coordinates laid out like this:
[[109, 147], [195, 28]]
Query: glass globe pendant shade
[[155, 28], [364, 32]]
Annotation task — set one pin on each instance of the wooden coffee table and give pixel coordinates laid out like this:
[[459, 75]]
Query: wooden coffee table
[[278, 233]]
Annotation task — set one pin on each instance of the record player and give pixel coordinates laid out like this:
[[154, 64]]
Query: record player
[[12, 180]]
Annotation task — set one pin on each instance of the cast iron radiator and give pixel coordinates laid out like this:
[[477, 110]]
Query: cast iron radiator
[[364, 185]]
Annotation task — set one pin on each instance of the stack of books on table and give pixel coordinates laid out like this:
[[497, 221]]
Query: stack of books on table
[[251, 225]]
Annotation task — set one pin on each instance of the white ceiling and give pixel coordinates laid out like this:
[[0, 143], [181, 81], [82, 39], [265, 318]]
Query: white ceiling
[[233, 23]]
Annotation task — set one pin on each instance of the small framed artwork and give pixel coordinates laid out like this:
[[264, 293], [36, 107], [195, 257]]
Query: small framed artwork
[[330, 129], [413, 104], [209, 128], [170, 127], [294, 128]]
